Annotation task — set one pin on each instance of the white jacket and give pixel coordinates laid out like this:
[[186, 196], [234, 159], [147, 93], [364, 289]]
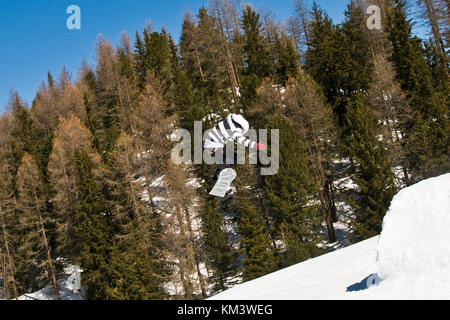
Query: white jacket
[[228, 130]]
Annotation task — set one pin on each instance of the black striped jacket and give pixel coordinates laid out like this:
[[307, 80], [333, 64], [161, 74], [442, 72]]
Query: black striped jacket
[[227, 130]]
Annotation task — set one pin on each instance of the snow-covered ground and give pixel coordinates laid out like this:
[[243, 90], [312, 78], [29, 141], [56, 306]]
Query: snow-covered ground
[[69, 287], [409, 260]]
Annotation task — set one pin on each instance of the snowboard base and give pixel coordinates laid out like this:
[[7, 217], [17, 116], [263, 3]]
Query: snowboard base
[[223, 183]]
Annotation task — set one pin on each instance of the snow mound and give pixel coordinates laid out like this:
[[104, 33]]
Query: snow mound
[[415, 240], [409, 260]]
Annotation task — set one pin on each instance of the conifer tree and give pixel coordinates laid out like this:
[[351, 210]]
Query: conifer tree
[[257, 58], [184, 235], [92, 233], [373, 174], [33, 220], [391, 108], [8, 228], [139, 266], [312, 119], [109, 105], [288, 60], [324, 46], [22, 130], [288, 193], [299, 25], [427, 132], [338, 57], [216, 244], [259, 257], [215, 64], [6, 214], [70, 135]]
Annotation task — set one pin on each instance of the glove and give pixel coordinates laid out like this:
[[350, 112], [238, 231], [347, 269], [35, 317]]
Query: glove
[[261, 146]]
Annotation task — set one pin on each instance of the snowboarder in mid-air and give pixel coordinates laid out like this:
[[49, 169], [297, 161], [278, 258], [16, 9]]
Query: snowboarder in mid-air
[[233, 128]]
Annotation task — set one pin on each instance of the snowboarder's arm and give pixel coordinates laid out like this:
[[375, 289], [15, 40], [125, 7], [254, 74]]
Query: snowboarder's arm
[[239, 138]]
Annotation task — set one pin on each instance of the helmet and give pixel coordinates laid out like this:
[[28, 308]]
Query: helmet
[[240, 123]]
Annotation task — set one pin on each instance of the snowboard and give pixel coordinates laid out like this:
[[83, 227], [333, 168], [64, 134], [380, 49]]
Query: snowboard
[[223, 183]]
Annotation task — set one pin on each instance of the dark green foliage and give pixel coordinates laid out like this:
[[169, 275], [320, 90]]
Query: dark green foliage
[[287, 61], [217, 246], [338, 57], [296, 221], [93, 232], [257, 57], [427, 132], [412, 70], [23, 131], [259, 257], [373, 174]]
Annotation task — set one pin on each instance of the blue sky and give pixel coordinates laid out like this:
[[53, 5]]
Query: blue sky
[[35, 38]]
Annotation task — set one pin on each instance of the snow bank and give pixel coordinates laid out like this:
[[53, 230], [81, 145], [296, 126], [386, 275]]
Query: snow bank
[[416, 231]]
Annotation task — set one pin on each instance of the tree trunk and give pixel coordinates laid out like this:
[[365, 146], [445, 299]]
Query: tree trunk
[[8, 254], [5, 277], [195, 257], [47, 250], [188, 287], [326, 197], [434, 23]]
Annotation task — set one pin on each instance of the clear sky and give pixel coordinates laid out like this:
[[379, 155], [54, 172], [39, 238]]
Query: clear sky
[[35, 38]]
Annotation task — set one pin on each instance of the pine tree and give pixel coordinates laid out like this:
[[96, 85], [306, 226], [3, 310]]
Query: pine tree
[[8, 228], [299, 26], [288, 193], [109, 105], [427, 132], [215, 63], [312, 119], [184, 235], [288, 60], [33, 220], [373, 174], [6, 215], [139, 266], [92, 233], [324, 46], [432, 12], [217, 247], [391, 108], [257, 58], [259, 258], [70, 135], [338, 57], [22, 132], [226, 23]]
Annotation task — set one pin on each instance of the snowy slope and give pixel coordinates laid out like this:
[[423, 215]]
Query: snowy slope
[[325, 277], [409, 260]]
